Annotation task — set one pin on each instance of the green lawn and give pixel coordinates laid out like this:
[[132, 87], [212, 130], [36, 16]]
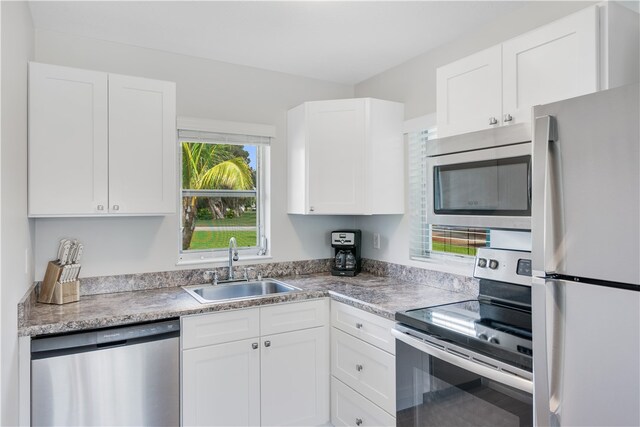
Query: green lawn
[[220, 239], [248, 219], [462, 250]]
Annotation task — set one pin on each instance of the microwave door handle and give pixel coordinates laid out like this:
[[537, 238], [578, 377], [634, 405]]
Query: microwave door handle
[[542, 221]]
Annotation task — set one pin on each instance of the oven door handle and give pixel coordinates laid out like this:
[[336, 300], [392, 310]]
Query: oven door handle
[[507, 379]]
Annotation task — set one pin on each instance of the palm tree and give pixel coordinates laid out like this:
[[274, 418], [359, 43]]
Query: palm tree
[[208, 167]]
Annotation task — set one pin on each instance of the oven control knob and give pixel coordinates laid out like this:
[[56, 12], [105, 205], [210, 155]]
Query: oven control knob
[[483, 336], [482, 262], [493, 264], [494, 340]]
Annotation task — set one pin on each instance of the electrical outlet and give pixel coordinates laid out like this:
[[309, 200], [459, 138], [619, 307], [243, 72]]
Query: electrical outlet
[[376, 240]]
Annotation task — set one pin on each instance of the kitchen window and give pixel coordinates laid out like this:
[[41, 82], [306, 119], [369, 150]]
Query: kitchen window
[[223, 191], [429, 241]]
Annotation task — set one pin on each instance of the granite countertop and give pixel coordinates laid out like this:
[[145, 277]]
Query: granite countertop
[[376, 294]]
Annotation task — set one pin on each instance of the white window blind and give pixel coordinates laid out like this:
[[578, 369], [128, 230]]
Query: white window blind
[[221, 138], [419, 229]]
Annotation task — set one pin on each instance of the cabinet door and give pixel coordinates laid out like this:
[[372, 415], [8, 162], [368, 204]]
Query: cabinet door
[[142, 146], [468, 93], [335, 156], [552, 63], [67, 141], [295, 378], [221, 385]]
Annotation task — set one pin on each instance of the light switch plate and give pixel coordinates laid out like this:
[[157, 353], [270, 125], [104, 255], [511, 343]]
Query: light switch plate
[[376, 240]]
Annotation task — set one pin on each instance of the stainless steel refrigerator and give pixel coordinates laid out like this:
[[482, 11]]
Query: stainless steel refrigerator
[[586, 260]]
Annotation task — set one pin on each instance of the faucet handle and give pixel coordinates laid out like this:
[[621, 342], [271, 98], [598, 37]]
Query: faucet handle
[[246, 272], [214, 274]]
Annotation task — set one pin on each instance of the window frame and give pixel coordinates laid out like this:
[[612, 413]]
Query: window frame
[[442, 261], [262, 192]]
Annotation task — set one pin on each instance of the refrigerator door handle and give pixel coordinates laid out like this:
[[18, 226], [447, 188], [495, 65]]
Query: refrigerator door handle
[[544, 132], [548, 335], [541, 381]]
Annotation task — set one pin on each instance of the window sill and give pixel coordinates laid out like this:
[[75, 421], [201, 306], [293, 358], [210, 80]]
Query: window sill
[[197, 260]]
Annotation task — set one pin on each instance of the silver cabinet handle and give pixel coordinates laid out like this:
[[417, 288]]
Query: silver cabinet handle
[[267, 343], [359, 325], [358, 421], [508, 117], [116, 207], [254, 345], [359, 368], [100, 207], [493, 121], [311, 209]]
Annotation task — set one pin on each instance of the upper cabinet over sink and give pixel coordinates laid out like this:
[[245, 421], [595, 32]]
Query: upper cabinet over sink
[[346, 157], [100, 144], [593, 49]]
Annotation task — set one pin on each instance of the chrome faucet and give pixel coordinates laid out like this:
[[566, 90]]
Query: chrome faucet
[[233, 256]]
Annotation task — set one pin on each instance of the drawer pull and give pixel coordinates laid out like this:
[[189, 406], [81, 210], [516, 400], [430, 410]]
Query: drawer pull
[[358, 421], [267, 343], [359, 368], [359, 325], [254, 345]]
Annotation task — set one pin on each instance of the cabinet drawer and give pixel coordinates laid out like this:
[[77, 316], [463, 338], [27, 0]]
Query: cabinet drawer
[[369, 327], [349, 407], [365, 368], [216, 328], [290, 317]]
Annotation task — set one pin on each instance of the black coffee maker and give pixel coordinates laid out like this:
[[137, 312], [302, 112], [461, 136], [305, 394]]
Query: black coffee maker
[[347, 259]]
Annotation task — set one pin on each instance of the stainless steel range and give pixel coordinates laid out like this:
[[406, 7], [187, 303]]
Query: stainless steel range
[[470, 363]]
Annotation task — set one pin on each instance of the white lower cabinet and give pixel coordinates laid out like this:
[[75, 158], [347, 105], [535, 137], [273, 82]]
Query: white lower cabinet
[[295, 378], [275, 379], [221, 385], [363, 383]]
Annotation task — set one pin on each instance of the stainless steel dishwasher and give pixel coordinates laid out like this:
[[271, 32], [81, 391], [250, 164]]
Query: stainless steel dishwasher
[[116, 376]]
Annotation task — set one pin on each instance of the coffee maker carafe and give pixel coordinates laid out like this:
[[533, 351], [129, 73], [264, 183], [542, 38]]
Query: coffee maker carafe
[[346, 260]]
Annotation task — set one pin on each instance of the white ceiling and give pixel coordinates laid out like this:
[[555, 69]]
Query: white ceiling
[[344, 42]]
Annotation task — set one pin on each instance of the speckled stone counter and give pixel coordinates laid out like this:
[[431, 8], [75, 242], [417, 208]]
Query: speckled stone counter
[[382, 288], [379, 295]]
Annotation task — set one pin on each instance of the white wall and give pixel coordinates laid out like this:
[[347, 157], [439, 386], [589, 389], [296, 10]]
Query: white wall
[[414, 84], [208, 89], [15, 228]]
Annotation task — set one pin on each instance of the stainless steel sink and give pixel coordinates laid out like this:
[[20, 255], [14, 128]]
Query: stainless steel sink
[[239, 290]]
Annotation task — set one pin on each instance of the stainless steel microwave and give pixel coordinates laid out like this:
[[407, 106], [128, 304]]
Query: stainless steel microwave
[[481, 179]]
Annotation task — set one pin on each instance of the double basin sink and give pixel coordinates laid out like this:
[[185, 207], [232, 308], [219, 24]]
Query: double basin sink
[[238, 290]]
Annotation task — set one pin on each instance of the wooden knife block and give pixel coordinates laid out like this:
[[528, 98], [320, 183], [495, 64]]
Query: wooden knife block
[[54, 292]]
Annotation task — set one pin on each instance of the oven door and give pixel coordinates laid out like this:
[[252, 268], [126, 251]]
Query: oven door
[[482, 188], [435, 387]]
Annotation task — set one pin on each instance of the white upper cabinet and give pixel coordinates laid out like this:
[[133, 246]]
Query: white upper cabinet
[[554, 62], [595, 48], [100, 144], [142, 145], [469, 93], [68, 145], [346, 157]]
